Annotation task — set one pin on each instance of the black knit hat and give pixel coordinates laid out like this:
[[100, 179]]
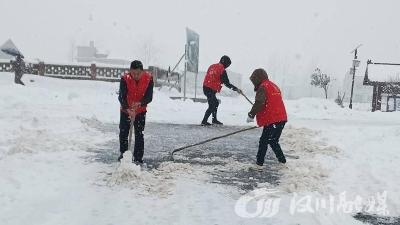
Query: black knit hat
[[225, 60], [136, 65]]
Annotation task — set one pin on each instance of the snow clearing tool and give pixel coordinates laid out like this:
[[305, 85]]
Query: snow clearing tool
[[246, 98], [130, 132], [208, 140]]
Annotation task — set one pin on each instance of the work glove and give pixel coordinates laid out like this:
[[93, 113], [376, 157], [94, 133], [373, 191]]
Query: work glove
[[131, 113], [250, 118], [132, 110], [136, 105]]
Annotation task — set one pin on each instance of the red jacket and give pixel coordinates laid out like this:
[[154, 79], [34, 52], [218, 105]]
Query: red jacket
[[137, 89], [213, 77], [274, 110]]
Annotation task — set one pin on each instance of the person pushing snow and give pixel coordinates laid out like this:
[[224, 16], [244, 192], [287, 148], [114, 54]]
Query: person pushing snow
[[270, 113], [18, 66], [135, 92], [215, 77]]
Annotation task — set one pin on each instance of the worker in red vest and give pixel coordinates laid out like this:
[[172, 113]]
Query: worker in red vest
[[135, 92], [270, 113], [215, 77]]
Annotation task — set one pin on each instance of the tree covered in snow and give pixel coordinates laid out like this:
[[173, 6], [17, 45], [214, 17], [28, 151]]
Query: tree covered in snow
[[321, 80]]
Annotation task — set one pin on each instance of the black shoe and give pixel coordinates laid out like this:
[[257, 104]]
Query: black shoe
[[137, 162], [216, 122], [205, 123], [121, 156], [256, 167], [282, 159]]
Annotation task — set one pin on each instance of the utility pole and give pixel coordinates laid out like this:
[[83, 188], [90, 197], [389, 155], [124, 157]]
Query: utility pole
[[184, 74], [356, 63]]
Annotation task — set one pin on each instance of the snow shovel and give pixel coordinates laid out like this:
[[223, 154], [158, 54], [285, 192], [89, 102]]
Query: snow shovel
[[208, 140], [130, 133], [214, 138], [246, 97]]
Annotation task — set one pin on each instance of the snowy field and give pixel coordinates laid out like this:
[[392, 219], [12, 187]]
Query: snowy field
[[59, 139]]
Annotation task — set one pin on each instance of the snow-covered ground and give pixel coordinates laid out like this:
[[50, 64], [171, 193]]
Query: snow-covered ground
[[47, 175]]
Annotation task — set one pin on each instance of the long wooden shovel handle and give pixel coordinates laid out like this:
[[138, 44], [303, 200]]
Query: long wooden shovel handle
[[247, 98], [211, 139], [130, 132]]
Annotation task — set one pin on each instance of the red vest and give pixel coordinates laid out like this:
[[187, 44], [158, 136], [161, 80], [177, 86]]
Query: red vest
[[137, 89], [213, 77], [274, 110]]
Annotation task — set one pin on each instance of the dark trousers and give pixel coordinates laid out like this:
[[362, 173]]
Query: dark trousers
[[17, 78], [270, 136], [212, 103], [124, 126]]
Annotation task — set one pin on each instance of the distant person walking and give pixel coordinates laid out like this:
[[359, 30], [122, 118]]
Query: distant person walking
[[135, 92], [270, 113], [18, 66], [215, 77]]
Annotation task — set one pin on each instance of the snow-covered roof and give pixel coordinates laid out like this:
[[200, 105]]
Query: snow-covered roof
[[10, 45], [384, 73]]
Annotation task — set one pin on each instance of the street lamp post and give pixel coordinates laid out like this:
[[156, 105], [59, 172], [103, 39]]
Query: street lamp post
[[356, 63], [184, 73]]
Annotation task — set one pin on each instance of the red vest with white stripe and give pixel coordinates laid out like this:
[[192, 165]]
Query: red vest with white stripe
[[213, 77], [137, 89], [274, 110]]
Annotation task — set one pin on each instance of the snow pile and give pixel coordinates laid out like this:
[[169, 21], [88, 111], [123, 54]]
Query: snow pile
[[311, 108], [306, 173], [174, 169], [134, 177], [159, 181], [41, 117], [128, 172]]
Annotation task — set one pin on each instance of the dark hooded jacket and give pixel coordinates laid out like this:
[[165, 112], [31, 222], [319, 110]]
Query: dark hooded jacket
[[18, 66], [256, 78]]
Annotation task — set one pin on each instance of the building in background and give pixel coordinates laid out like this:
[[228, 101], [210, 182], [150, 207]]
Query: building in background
[[383, 79], [361, 93], [89, 54]]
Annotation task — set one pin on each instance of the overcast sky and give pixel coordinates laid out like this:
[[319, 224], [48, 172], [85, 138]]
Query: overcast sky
[[288, 38]]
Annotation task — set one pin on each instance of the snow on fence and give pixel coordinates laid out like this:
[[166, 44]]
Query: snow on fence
[[5, 66], [93, 72]]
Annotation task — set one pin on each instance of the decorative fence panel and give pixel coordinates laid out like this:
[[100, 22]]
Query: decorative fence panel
[[108, 72], [53, 69], [92, 72], [5, 67]]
